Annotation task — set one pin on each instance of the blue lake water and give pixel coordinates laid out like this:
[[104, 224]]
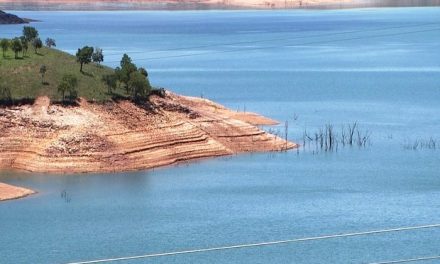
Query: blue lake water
[[379, 67]]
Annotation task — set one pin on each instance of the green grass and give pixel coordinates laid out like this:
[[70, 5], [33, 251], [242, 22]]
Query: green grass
[[22, 75]]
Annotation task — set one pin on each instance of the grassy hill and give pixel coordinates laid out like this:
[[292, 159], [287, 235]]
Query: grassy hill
[[23, 78]]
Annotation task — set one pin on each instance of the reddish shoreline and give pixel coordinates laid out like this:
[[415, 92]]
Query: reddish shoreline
[[122, 136]]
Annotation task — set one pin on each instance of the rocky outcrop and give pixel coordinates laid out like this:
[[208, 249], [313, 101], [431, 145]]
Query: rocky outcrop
[[122, 136]]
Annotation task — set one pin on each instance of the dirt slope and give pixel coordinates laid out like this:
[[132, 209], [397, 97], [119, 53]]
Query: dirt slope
[[122, 136]]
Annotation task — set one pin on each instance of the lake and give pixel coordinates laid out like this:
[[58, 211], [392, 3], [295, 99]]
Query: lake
[[377, 67]]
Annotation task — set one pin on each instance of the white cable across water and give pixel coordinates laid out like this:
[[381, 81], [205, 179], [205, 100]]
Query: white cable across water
[[261, 244], [407, 260]]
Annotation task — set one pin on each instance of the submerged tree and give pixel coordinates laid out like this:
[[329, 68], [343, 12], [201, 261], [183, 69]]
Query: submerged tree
[[84, 56]]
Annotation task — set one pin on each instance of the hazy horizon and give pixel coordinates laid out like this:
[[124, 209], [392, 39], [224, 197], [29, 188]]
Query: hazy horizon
[[202, 4]]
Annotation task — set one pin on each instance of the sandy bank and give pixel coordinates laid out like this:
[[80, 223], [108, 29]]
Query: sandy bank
[[122, 136], [9, 192]]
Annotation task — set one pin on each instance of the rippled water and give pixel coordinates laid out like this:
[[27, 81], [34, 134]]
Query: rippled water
[[379, 67]]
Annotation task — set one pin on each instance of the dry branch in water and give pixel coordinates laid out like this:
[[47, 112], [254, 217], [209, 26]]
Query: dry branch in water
[[326, 139]]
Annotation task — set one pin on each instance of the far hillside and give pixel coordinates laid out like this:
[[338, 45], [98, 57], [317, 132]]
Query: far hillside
[[29, 69], [6, 18]]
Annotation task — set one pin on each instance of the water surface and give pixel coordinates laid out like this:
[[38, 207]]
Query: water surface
[[379, 67]]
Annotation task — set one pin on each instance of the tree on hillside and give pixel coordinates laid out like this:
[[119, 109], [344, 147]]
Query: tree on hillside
[[84, 56], [98, 56], [123, 72], [143, 71], [69, 84], [5, 93], [50, 42], [16, 46], [37, 44], [126, 61], [43, 70], [5, 46], [30, 33], [111, 81], [139, 86], [25, 45]]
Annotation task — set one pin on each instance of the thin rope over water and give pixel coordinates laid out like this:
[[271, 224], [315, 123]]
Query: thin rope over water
[[261, 244], [407, 260]]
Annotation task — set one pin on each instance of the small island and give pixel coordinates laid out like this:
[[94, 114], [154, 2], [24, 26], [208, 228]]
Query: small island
[[69, 114]]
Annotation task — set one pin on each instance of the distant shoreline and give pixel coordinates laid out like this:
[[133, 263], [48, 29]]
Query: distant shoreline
[[113, 5], [8, 19]]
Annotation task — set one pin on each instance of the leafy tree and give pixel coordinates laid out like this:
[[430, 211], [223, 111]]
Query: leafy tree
[[126, 69], [50, 42], [69, 84], [125, 61], [5, 93], [24, 44], [37, 44], [16, 46], [139, 86], [30, 33], [43, 70], [5, 46], [98, 56], [144, 72], [118, 74], [84, 56], [111, 81]]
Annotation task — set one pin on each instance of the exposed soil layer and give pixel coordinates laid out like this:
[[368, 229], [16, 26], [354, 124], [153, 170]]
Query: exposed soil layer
[[122, 136]]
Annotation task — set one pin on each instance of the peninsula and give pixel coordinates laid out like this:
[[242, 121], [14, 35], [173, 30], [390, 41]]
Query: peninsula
[[66, 114], [9, 192], [6, 18]]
